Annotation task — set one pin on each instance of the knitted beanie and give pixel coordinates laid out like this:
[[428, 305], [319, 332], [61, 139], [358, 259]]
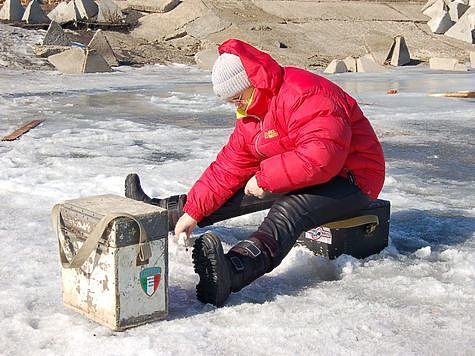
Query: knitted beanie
[[228, 76]]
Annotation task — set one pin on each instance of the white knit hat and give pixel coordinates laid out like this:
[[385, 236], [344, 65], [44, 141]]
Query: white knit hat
[[228, 76]]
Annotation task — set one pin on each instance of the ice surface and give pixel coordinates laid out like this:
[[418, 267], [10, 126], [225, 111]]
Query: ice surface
[[416, 297]]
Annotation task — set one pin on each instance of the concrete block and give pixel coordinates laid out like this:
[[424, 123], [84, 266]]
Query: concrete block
[[70, 61], [64, 13], [95, 63], [160, 6], [79, 60], [440, 24], [436, 9], [206, 58], [87, 9], [472, 59], [464, 29], [109, 11], [451, 64], [12, 10], [336, 66], [56, 36], [350, 63], [101, 45], [379, 45], [34, 13], [399, 54], [366, 64], [456, 10]]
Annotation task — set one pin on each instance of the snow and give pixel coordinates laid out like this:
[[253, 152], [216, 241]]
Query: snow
[[415, 297], [16, 48]]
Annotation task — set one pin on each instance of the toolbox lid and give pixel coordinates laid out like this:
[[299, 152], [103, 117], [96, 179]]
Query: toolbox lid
[[81, 215]]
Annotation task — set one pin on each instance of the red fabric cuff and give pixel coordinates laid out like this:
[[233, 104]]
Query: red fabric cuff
[[261, 181], [193, 212]]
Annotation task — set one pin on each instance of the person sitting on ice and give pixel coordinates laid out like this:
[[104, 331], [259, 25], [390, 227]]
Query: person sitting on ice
[[301, 146]]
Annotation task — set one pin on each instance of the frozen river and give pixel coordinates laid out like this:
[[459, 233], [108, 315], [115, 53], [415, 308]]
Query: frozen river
[[416, 297]]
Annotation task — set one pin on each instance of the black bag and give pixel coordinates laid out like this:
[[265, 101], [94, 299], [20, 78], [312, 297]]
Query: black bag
[[360, 236]]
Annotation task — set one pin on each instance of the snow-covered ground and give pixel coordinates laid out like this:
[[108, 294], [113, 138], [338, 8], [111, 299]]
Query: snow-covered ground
[[416, 297]]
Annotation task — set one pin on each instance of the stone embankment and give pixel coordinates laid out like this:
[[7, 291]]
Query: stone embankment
[[308, 34]]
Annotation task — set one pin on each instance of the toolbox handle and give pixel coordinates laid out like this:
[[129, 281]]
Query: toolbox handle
[[92, 241], [372, 220]]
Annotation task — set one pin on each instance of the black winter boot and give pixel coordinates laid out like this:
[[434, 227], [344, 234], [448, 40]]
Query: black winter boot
[[173, 204], [222, 274], [133, 189]]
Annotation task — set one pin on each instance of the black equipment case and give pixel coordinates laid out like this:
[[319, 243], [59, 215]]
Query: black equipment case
[[361, 236]]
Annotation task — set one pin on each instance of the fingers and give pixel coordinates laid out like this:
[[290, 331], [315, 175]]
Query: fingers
[[185, 225], [261, 193], [246, 191], [252, 188]]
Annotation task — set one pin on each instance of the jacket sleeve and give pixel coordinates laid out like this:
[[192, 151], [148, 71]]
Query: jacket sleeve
[[321, 133], [233, 167]]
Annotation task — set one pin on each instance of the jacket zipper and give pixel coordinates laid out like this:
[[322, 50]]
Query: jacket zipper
[[257, 138]]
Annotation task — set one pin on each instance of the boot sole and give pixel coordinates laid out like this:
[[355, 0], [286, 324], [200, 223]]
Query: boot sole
[[213, 287]]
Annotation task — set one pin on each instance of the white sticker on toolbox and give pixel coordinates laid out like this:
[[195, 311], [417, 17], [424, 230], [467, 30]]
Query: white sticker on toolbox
[[320, 234]]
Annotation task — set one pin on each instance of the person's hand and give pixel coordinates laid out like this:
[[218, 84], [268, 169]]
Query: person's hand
[[185, 224], [253, 189]]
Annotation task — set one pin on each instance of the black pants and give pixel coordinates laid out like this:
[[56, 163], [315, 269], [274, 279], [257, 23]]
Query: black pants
[[293, 213]]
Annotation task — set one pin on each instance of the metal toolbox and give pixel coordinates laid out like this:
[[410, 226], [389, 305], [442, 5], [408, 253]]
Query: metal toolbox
[[114, 256], [360, 236]]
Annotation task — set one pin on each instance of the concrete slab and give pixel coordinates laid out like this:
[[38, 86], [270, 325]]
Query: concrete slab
[[87, 9], [336, 66], [205, 25], [350, 63], [428, 4], [411, 10], [440, 24], [101, 45], [399, 54], [158, 26], [379, 45], [55, 36], [452, 64], [12, 10], [34, 14], [464, 29], [159, 6], [79, 60], [109, 11], [358, 10], [366, 64]]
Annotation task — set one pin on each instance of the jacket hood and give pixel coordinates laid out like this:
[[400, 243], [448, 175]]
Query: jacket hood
[[262, 70]]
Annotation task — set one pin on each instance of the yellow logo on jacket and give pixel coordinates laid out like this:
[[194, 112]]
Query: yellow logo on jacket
[[271, 134]]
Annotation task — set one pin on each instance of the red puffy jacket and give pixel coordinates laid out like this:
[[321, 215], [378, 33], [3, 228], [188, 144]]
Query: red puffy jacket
[[300, 130]]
